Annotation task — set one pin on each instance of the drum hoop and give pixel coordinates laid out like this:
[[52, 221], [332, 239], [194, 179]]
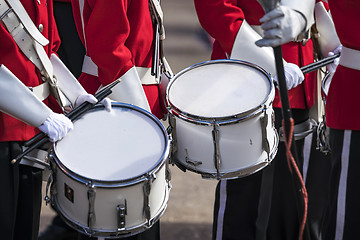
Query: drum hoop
[[202, 120], [219, 121], [123, 182], [108, 234]]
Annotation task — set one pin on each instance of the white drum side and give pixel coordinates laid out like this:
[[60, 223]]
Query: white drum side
[[240, 145], [116, 172], [106, 200], [232, 95]]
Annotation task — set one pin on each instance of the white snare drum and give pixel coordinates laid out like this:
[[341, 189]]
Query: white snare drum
[[111, 174], [221, 119]]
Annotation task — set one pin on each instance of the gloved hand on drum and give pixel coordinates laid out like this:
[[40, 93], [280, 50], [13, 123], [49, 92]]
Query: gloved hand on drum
[[91, 99], [281, 25], [56, 126], [332, 67], [293, 76]]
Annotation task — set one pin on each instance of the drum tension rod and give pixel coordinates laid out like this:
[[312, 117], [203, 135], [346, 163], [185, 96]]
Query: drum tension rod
[[265, 141], [91, 214], [121, 212], [215, 134]]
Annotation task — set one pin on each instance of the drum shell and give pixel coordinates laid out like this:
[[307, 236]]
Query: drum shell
[[241, 136], [194, 142], [107, 197]]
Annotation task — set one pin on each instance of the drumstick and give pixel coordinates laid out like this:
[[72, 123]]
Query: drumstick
[[319, 64], [41, 138], [78, 110]]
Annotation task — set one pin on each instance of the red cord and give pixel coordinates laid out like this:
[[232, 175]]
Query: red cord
[[292, 164]]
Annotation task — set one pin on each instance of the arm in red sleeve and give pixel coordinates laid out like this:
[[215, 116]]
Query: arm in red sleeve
[[106, 33], [221, 19]]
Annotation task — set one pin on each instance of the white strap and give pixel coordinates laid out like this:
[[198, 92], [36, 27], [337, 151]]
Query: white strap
[[158, 15], [30, 41], [42, 91], [145, 76], [25, 34], [26, 21], [350, 58]]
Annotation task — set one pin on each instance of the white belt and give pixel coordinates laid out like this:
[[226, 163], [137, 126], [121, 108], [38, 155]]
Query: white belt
[[145, 76], [350, 58]]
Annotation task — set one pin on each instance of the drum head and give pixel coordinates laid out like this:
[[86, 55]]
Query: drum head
[[113, 146], [218, 89]]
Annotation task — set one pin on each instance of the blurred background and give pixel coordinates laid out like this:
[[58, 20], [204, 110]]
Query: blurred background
[[190, 207]]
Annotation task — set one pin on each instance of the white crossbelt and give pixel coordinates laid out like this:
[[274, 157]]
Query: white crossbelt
[[16, 20], [145, 76], [350, 58]]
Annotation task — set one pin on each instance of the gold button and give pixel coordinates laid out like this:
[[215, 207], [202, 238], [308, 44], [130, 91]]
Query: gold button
[[41, 27]]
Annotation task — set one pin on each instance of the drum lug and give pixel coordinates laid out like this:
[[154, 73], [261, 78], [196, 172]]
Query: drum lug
[[167, 171], [50, 180], [265, 142], [146, 189], [91, 214], [121, 212], [217, 161], [172, 132], [48, 184]]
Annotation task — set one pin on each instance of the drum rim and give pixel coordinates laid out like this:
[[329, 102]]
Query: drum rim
[[202, 120], [121, 182]]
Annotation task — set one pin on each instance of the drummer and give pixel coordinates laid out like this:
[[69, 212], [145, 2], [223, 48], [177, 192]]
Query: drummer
[[119, 44], [342, 118], [22, 112], [237, 203]]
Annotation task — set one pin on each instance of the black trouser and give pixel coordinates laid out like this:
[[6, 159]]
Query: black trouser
[[20, 201], [264, 205], [344, 187], [150, 234], [71, 50], [317, 180]]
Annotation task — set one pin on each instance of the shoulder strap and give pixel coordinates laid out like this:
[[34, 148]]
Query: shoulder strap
[[30, 41]]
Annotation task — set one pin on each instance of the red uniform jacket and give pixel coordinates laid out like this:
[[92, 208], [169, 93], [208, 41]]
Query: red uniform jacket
[[343, 101], [11, 56], [118, 35], [222, 20]]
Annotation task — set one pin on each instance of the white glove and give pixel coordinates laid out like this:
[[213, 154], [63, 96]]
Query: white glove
[[281, 25], [332, 67], [91, 99], [106, 102], [56, 126], [293, 76]]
